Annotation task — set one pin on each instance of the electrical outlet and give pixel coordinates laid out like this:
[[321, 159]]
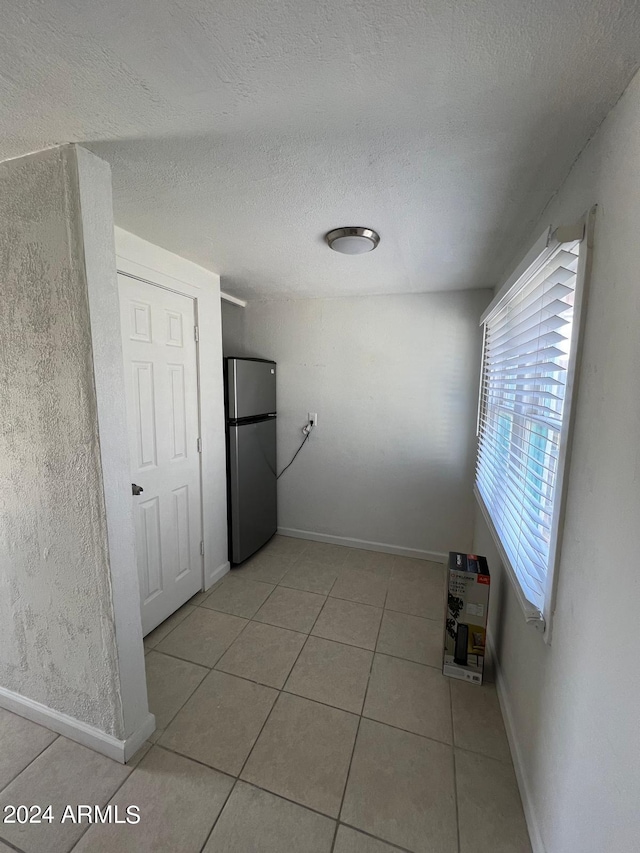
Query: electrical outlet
[[313, 419]]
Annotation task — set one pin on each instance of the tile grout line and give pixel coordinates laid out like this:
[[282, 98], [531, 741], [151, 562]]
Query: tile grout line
[[391, 844], [262, 727], [346, 781], [355, 740], [190, 758], [209, 669], [154, 742], [224, 805], [186, 604], [12, 846], [213, 668], [186, 660], [35, 757], [203, 666], [334, 707], [282, 690], [347, 645], [109, 798]]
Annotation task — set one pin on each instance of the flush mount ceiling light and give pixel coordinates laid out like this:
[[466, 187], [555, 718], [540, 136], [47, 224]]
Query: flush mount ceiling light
[[352, 241]]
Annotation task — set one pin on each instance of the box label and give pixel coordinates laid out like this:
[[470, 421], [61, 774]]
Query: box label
[[466, 611]]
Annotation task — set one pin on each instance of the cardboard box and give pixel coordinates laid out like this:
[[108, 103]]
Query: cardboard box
[[465, 620]]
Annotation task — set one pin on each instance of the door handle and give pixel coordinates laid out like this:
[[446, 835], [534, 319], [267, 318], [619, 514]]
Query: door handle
[[136, 490]]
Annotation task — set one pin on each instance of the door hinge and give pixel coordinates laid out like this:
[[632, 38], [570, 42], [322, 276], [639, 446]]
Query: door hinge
[[199, 445], [202, 548], [196, 333]]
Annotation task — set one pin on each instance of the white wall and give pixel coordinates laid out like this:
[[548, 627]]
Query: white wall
[[573, 706], [394, 380], [232, 329], [63, 604], [150, 262]]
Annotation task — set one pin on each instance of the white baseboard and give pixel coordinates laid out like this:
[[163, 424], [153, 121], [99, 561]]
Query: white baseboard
[[434, 556], [537, 845], [216, 574], [133, 743], [76, 730]]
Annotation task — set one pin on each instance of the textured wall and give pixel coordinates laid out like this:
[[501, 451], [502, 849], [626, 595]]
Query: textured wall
[[574, 704], [394, 380], [57, 636], [232, 328]]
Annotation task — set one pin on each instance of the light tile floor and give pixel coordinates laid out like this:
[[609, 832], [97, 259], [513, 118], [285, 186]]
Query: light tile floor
[[300, 707]]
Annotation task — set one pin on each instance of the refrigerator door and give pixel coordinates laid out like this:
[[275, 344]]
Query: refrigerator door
[[251, 388], [252, 486]]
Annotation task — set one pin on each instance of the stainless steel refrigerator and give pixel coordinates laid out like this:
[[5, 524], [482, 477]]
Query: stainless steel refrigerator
[[250, 403]]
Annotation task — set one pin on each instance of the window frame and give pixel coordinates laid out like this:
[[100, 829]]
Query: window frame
[[535, 258]]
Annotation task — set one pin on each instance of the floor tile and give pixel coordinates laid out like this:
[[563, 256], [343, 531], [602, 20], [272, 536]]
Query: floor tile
[[199, 597], [20, 742], [477, 720], [170, 682], [254, 821], [263, 653], [349, 622], [312, 577], [285, 546], [324, 553], [351, 841], [133, 762], [152, 639], [178, 799], [492, 822], [65, 774], [221, 721], [331, 673], [155, 736], [291, 608], [411, 637], [410, 696], [239, 596], [268, 568], [423, 597], [372, 562], [203, 636], [401, 789], [361, 586], [303, 753], [410, 569]]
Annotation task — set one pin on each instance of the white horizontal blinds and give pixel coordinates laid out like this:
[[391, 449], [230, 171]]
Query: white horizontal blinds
[[526, 355]]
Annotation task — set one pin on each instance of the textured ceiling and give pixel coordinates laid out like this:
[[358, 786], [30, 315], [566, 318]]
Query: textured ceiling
[[240, 131]]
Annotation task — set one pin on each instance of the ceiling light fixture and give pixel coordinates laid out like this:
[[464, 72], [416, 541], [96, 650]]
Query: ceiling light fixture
[[352, 241]]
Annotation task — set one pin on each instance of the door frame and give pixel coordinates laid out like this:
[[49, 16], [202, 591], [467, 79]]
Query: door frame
[[138, 259]]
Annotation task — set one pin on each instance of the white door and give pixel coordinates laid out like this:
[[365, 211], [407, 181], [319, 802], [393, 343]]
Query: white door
[[161, 384]]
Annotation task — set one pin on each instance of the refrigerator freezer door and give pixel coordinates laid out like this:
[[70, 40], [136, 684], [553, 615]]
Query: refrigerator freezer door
[[251, 388], [252, 482]]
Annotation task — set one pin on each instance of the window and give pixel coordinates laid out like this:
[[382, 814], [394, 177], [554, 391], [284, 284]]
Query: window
[[531, 332]]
